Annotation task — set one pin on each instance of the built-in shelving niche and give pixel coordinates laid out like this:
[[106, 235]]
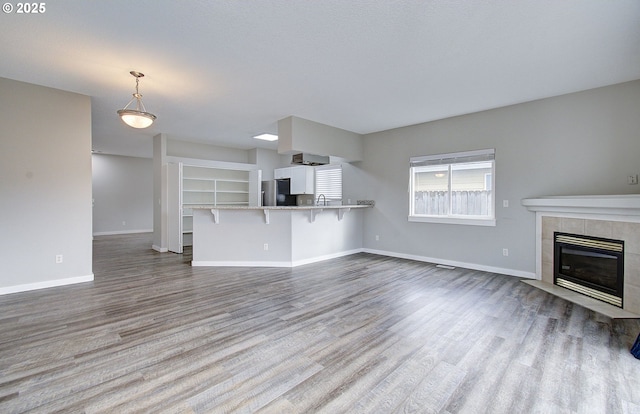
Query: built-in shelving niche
[[191, 185]]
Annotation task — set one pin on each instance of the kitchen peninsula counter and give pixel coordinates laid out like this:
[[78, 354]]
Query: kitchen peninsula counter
[[275, 236], [312, 207]]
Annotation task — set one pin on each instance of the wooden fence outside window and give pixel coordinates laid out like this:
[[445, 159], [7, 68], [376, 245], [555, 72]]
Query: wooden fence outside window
[[436, 203]]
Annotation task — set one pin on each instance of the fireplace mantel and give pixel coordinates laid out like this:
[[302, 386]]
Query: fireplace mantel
[[609, 216], [617, 205]]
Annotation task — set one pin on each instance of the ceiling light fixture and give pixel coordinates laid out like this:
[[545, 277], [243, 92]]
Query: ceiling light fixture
[[267, 137], [139, 117]]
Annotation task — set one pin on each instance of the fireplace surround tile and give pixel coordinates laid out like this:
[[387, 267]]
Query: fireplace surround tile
[[632, 269], [547, 251], [630, 233], [632, 298], [599, 228], [549, 225], [572, 225], [547, 272]]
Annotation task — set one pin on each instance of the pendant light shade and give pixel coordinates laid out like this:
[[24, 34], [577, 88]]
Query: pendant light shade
[[138, 117]]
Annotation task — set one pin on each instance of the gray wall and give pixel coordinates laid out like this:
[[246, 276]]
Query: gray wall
[[122, 194], [582, 143], [268, 160], [45, 186], [186, 149], [159, 192], [301, 135]]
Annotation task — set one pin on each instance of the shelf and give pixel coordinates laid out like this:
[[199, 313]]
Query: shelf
[[192, 185], [215, 179], [198, 179], [226, 203]]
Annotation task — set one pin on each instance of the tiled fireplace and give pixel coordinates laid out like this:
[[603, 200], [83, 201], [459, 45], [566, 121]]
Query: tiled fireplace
[[609, 217]]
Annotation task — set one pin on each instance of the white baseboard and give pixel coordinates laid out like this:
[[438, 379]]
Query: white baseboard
[[47, 284], [112, 233], [472, 266], [210, 263], [160, 249], [325, 257]]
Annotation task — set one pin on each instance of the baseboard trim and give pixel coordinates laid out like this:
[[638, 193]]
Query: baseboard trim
[[454, 263], [210, 263], [47, 284], [472, 266], [160, 249], [326, 257], [113, 233]]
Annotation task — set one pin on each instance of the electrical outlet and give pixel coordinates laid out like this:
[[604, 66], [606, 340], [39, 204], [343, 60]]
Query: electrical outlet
[[632, 179], [377, 237], [266, 247], [505, 252], [124, 223], [505, 203], [59, 258]]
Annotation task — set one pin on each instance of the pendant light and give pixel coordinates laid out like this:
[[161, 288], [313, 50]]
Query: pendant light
[[138, 117]]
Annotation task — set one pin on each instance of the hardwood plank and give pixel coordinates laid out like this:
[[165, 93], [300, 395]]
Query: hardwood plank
[[358, 334]]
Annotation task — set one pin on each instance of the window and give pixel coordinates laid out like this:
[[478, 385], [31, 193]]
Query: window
[[453, 188], [329, 182]]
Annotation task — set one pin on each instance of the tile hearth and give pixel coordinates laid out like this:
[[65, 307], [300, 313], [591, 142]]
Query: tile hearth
[[582, 300]]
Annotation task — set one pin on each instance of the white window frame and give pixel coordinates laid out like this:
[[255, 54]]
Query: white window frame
[[335, 192], [486, 155]]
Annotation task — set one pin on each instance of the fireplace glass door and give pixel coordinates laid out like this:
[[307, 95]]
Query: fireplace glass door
[[590, 265]]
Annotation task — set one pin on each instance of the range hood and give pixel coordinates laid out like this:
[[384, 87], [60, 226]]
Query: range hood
[[309, 159]]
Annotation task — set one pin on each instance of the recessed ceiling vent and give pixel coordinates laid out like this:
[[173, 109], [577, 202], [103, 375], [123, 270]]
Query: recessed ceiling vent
[[309, 159]]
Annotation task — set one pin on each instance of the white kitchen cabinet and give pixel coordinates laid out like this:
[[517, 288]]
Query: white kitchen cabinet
[[280, 173], [302, 180], [190, 185]]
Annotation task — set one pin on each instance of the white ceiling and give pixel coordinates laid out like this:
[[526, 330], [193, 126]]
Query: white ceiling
[[223, 71]]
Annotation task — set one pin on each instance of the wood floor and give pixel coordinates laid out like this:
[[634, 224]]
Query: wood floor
[[360, 334]]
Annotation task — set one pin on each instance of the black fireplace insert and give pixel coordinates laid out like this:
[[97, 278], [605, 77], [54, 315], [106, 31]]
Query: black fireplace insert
[[593, 266]]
